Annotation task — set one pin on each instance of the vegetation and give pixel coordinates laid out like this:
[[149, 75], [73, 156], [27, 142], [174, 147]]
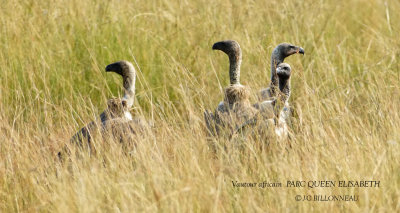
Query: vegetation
[[346, 92]]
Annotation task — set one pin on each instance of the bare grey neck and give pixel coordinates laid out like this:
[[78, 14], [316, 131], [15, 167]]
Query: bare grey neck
[[129, 79], [276, 58], [284, 87], [235, 60]]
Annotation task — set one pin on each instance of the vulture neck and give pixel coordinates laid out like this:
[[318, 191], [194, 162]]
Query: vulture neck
[[276, 59], [284, 87], [282, 96], [129, 79], [235, 59]]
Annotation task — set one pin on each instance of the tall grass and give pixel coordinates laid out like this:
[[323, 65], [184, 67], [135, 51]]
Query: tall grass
[[346, 92]]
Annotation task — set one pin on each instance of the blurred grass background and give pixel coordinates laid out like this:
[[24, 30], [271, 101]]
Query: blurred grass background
[[345, 91]]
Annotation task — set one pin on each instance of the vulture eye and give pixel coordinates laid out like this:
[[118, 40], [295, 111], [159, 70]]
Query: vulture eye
[[291, 46]]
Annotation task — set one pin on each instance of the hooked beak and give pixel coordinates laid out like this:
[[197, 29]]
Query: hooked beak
[[300, 50], [216, 46], [108, 68], [111, 67]]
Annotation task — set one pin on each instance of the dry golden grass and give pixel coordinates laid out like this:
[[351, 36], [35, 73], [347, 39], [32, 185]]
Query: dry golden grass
[[346, 91]]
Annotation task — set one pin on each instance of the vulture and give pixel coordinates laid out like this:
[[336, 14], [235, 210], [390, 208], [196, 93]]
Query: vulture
[[281, 109], [116, 120], [235, 108], [272, 111], [123, 128]]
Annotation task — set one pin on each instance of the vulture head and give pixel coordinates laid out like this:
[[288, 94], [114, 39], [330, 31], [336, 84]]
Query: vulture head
[[124, 68], [284, 50], [230, 47], [283, 70], [128, 73], [278, 56]]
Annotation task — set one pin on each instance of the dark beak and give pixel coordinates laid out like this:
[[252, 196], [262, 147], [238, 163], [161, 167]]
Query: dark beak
[[220, 45], [109, 68], [215, 46], [114, 67], [301, 50]]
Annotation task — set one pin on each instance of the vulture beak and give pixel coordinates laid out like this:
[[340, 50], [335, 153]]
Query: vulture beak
[[216, 46], [115, 67], [300, 50], [112, 67], [109, 68]]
